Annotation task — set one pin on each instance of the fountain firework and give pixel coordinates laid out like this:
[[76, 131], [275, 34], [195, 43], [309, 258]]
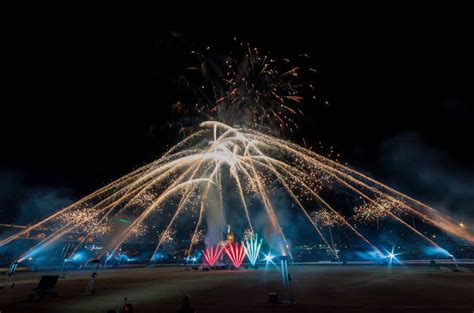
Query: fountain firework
[[189, 184], [236, 253], [212, 254], [191, 177], [252, 247]]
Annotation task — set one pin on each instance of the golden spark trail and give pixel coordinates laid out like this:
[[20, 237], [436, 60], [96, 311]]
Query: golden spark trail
[[255, 167], [437, 220]]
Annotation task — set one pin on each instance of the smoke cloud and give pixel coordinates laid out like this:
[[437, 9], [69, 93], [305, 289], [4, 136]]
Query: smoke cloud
[[24, 204], [428, 174]]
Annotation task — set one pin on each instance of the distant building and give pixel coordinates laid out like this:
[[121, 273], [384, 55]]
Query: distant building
[[230, 237]]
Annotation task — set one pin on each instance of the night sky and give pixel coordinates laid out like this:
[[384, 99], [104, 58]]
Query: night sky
[[89, 91]]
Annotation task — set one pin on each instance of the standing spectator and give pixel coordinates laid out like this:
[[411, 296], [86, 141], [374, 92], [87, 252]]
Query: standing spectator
[[186, 306]]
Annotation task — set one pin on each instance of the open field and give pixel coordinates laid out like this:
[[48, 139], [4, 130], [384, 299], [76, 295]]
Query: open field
[[314, 288]]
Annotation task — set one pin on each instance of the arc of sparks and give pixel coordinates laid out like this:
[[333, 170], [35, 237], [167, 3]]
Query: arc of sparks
[[257, 164]]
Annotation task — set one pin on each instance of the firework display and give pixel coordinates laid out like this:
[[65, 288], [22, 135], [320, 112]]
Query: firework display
[[230, 170], [86, 219], [325, 217], [198, 237], [236, 253], [376, 210], [212, 254], [194, 173], [252, 247], [248, 88]]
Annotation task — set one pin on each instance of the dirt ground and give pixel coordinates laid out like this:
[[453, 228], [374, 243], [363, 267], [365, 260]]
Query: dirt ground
[[314, 289]]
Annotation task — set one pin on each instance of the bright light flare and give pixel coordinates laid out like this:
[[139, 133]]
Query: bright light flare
[[268, 257], [392, 256]]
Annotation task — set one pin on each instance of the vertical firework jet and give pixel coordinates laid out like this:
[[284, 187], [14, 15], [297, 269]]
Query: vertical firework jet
[[252, 247], [211, 255], [236, 253]]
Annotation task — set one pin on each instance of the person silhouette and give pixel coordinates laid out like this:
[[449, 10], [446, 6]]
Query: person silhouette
[[186, 306], [127, 308]]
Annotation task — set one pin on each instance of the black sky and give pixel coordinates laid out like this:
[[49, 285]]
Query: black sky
[[84, 85]]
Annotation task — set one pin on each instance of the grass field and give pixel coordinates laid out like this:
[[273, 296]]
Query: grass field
[[314, 289]]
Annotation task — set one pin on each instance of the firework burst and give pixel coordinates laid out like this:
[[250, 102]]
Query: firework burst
[[88, 221], [325, 217], [138, 231], [378, 209], [197, 237], [242, 99], [247, 88], [255, 166], [166, 236]]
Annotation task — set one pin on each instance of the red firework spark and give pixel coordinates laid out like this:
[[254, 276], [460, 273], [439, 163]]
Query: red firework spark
[[211, 255], [236, 253]]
